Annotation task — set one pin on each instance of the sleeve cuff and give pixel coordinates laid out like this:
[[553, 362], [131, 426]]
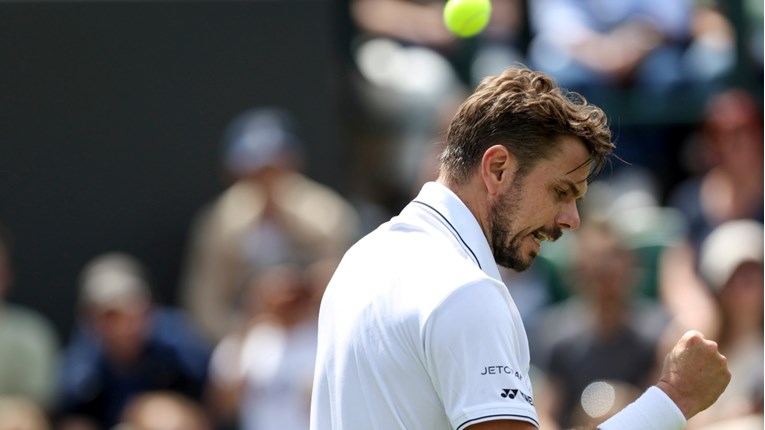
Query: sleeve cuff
[[653, 410]]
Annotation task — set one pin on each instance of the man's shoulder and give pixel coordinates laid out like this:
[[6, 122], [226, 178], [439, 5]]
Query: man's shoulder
[[413, 258], [417, 243]]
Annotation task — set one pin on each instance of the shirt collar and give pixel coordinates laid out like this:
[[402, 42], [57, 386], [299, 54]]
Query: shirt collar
[[454, 215]]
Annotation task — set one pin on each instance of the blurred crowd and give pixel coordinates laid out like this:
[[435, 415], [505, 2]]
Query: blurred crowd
[[671, 237]]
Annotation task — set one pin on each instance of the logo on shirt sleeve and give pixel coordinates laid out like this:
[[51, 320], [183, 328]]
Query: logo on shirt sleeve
[[509, 393], [512, 393], [501, 370]]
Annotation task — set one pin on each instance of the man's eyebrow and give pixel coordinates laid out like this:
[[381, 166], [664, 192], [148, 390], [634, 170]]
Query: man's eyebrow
[[572, 188]]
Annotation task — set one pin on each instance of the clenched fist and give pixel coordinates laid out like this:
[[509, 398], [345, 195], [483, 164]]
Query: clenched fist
[[694, 374]]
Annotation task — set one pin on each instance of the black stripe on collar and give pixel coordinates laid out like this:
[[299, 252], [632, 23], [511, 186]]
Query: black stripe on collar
[[453, 230]]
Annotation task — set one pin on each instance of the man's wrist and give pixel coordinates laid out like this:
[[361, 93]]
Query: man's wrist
[[670, 391]]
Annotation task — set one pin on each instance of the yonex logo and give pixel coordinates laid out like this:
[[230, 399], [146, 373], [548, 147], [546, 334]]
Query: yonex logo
[[508, 393]]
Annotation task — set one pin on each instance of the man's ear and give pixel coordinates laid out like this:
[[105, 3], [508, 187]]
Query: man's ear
[[498, 166]]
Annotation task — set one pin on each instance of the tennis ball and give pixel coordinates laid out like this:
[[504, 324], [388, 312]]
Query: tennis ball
[[466, 18]]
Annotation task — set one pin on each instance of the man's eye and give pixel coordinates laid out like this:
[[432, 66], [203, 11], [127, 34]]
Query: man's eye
[[561, 193]]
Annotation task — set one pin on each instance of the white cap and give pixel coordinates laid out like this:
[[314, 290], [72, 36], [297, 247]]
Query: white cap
[[113, 280], [727, 247]]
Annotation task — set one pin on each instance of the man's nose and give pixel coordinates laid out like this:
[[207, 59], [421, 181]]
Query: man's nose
[[568, 219]]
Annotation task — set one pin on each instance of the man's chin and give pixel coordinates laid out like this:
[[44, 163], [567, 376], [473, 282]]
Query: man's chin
[[517, 264]]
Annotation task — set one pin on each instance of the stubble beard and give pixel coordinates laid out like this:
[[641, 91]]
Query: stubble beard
[[505, 243]]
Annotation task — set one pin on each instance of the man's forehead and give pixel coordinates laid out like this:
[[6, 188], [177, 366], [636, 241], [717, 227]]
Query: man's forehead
[[571, 164], [581, 173]]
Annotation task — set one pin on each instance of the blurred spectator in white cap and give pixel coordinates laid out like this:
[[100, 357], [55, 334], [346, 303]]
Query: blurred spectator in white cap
[[126, 345], [29, 346], [271, 214], [731, 263]]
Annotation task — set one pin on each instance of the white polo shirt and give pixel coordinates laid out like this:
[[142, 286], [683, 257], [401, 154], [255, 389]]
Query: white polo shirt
[[417, 330]]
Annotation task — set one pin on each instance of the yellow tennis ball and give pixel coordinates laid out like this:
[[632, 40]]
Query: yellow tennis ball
[[466, 18]]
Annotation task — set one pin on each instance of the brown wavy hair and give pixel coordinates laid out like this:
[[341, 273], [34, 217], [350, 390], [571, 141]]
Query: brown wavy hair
[[527, 112]]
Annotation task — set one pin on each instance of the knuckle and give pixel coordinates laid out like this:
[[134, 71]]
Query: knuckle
[[724, 360], [693, 337]]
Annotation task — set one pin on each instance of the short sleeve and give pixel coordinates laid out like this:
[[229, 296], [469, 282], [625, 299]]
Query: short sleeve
[[476, 354]]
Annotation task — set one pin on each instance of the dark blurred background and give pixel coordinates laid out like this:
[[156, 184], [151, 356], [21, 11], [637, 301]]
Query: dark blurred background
[[112, 114]]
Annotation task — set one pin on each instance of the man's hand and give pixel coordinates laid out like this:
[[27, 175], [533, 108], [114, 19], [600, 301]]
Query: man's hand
[[694, 374]]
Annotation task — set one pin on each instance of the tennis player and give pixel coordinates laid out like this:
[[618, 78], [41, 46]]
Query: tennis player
[[417, 330]]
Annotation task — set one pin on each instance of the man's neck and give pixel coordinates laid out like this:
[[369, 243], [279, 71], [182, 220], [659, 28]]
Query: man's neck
[[473, 194]]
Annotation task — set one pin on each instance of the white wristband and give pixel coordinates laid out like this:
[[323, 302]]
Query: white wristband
[[654, 410]]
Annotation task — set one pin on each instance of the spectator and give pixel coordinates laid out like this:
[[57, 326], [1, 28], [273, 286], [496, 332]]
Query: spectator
[[271, 214], [29, 346], [602, 332], [265, 372], [728, 166], [164, 410], [126, 346], [731, 264]]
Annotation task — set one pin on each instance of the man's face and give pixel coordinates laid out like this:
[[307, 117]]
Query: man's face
[[539, 206], [122, 329]]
